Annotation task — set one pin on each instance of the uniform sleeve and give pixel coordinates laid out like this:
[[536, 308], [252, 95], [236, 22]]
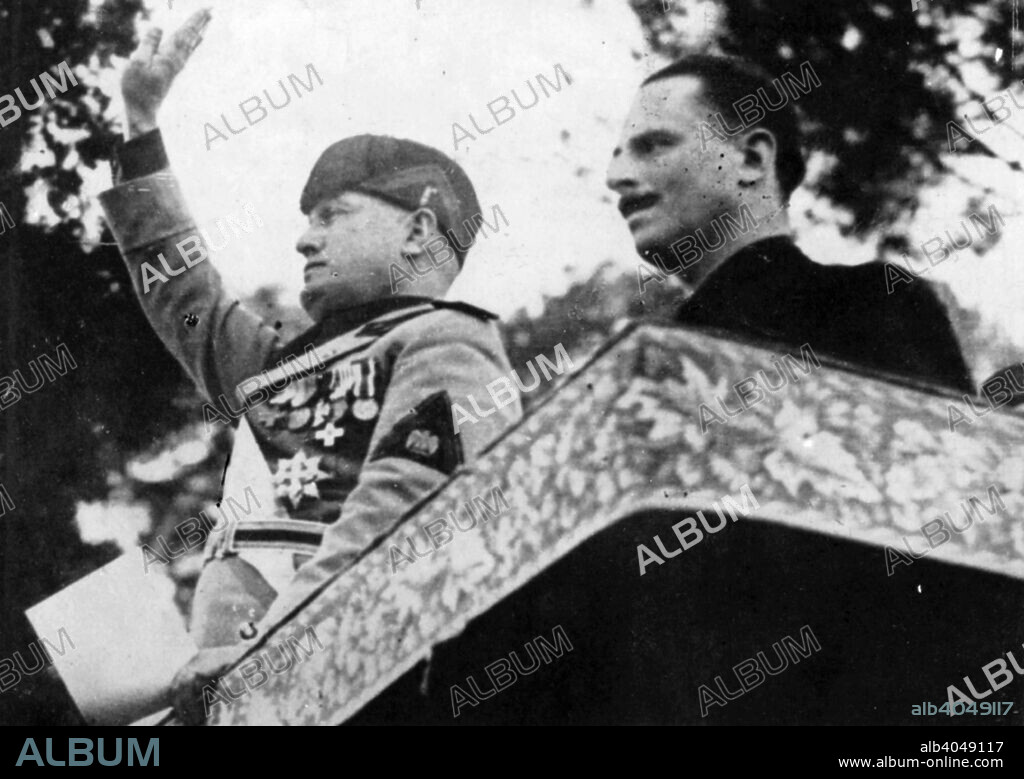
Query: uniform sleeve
[[416, 445], [218, 342]]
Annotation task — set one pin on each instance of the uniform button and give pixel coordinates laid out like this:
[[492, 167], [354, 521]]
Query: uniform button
[[248, 630]]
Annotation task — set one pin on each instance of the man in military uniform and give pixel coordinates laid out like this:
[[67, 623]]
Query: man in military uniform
[[714, 216], [352, 421]]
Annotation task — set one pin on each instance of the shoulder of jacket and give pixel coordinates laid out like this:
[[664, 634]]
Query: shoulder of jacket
[[859, 282], [448, 324], [903, 289], [439, 316], [458, 321], [464, 308]]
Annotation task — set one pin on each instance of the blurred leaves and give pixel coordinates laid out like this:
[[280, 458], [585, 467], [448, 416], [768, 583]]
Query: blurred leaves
[[67, 441]]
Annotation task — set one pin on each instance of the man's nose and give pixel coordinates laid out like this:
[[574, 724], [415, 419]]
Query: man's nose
[[310, 243], [620, 176]]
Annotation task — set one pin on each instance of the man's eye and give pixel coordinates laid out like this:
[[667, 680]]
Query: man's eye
[[327, 217]]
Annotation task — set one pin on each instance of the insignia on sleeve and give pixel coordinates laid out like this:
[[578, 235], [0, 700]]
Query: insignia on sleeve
[[421, 442], [425, 435]]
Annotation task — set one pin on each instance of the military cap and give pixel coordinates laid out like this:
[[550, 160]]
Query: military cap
[[405, 173]]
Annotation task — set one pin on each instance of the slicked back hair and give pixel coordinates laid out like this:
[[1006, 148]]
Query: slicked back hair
[[727, 80]]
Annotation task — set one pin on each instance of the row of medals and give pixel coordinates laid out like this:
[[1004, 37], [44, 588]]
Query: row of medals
[[301, 392]]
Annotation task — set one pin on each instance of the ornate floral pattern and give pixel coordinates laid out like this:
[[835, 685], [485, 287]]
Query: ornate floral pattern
[[837, 452]]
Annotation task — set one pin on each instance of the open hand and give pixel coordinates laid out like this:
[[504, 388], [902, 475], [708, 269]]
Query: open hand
[[153, 68]]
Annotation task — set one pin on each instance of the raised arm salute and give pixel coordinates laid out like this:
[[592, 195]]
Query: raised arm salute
[[217, 341], [152, 70], [349, 425]]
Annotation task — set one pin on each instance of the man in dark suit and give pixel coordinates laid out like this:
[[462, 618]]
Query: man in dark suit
[[708, 159]]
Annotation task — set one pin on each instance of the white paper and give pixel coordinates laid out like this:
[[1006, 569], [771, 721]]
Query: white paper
[[129, 640]]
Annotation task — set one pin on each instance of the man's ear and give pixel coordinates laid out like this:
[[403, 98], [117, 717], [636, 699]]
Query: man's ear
[[759, 149], [421, 225]]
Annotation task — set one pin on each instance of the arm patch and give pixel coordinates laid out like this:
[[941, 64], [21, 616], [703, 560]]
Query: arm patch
[[425, 435]]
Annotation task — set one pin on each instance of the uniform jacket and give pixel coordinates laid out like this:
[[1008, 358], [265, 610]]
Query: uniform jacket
[[771, 290], [353, 419]]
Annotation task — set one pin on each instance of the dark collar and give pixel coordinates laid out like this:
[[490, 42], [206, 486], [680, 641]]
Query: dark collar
[[749, 286], [778, 249], [340, 321], [344, 319]]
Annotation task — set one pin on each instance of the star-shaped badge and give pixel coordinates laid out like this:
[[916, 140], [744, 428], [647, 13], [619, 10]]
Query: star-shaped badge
[[296, 478]]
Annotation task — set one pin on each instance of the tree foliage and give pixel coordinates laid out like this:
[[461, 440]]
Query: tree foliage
[[65, 442]]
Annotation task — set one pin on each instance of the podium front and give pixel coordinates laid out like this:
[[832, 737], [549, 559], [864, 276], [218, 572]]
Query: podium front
[[829, 571]]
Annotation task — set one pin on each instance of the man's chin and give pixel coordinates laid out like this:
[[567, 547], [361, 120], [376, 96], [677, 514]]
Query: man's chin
[[320, 300], [649, 240], [308, 301]]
